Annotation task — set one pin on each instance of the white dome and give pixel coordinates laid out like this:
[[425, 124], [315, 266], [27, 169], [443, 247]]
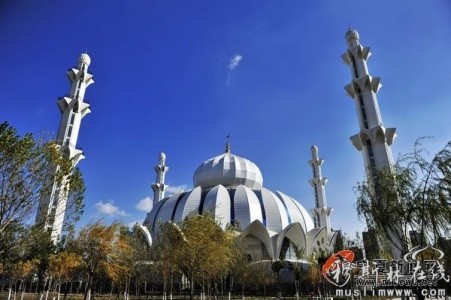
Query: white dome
[[352, 34], [229, 188], [85, 59], [230, 171], [238, 205]]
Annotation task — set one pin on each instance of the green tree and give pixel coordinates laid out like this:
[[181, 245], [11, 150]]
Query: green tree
[[25, 178], [276, 267], [414, 195]]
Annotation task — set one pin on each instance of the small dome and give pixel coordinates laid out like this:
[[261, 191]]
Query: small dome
[[85, 59], [162, 158], [314, 149], [229, 170], [352, 34]]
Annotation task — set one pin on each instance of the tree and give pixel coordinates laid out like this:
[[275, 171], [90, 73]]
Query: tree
[[21, 271], [61, 266], [25, 178], [37, 246], [199, 248], [97, 245], [207, 254], [120, 265], [414, 195], [276, 267], [170, 240]]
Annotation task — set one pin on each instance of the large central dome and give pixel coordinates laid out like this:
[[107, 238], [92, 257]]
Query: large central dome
[[230, 188], [228, 170]]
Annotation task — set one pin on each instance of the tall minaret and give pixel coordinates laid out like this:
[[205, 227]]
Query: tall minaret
[[159, 187], [321, 213], [73, 109], [373, 139]]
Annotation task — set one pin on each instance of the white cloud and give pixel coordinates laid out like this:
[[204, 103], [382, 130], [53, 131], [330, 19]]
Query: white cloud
[[235, 61], [145, 204], [108, 208], [132, 223], [172, 189]]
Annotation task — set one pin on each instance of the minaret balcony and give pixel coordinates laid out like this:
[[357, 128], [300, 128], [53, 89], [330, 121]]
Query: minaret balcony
[[374, 134], [364, 83]]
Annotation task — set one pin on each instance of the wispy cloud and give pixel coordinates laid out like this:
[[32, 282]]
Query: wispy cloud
[[108, 208], [233, 64], [235, 61], [173, 189], [145, 204]]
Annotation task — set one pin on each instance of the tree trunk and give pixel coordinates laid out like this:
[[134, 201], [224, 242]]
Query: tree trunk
[[59, 288], [191, 284], [49, 282], [88, 288], [111, 290]]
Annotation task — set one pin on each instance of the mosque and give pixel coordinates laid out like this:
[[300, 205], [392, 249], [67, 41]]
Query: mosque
[[230, 188], [273, 224]]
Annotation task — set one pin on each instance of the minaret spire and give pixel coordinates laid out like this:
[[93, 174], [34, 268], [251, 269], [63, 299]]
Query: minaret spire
[[373, 139], [73, 109], [159, 187], [227, 149], [321, 213]]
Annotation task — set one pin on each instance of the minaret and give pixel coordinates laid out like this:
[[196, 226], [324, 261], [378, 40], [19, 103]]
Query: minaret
[[159, 187], [73, 109], [321, 213], [373, 139]]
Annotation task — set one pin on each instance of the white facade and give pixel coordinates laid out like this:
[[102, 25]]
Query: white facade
[[73, 108]]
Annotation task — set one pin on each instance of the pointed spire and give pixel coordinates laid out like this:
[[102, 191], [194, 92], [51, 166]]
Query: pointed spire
[[227, 149]]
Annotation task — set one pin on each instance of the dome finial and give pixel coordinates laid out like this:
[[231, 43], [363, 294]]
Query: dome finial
[[84, 59], [227, 149]]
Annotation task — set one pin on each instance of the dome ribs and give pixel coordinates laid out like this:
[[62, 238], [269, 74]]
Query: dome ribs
[[217, 202]]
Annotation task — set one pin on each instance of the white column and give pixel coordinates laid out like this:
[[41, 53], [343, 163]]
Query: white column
[[321, 213], [373, 139], [73, 109], [159, 187]]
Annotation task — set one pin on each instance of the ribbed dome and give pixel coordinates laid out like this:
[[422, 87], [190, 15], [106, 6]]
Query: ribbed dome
[[239, 205], [229, 188], [229, 170]]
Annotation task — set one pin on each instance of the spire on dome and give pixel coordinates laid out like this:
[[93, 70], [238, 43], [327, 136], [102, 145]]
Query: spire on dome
[[227, 149]]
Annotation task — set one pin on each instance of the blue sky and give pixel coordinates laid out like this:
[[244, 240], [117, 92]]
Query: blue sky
[[178, 76]]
